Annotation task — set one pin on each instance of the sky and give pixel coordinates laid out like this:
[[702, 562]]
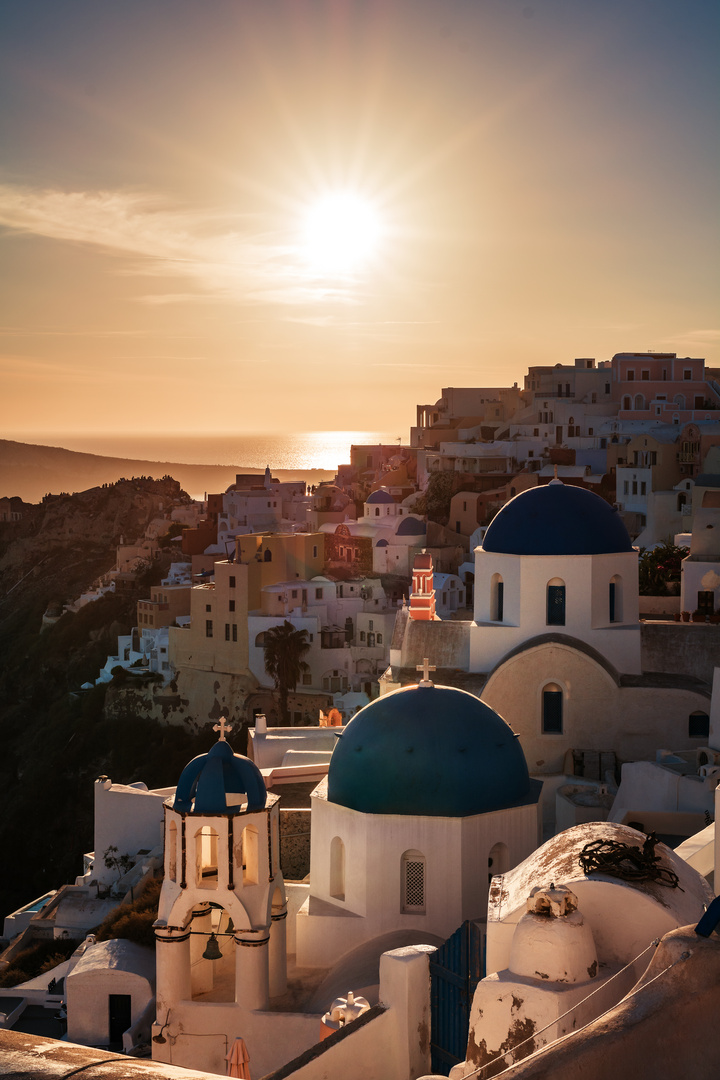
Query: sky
[[515, 182]]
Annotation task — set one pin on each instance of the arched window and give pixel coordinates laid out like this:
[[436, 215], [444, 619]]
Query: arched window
[[250, 855], [337, 868], [498, 861], [552, 709], [377, 511], [172, 852], [639, 402], [679, 400], [206, 858], [556, 602], [260, 640], [615, 599], [267, 557], [497, 590], [412, 882], [698, 725]]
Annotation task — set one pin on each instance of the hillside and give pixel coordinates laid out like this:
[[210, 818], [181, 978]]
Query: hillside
[[32, 471], [56, 740]]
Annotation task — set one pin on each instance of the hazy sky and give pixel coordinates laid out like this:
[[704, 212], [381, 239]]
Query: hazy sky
[[543, 175]]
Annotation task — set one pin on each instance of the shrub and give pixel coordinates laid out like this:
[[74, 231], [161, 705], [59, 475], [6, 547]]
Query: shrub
[[134, 921]]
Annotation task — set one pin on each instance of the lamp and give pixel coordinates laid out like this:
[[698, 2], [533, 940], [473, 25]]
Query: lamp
[[160, 1038]]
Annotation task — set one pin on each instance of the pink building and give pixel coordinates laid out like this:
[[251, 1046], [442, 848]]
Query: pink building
[[663, 387]]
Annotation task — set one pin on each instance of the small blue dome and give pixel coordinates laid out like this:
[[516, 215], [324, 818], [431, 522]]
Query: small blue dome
[[380, 496], [208, 779], [432, 751], [410, 526], [557, 519]]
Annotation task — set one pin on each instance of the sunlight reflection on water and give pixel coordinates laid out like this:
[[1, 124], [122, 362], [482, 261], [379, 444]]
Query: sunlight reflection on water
[[299, 450]]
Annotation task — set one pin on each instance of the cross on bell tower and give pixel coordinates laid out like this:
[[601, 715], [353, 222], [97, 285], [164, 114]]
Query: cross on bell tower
[[222, 727], [426, 667]]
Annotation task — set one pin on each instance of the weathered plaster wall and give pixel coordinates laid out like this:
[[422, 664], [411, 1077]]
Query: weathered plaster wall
[[666, 1024], [682, 648], [597, 713]]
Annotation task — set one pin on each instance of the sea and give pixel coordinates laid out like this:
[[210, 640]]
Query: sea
[[282, 451]]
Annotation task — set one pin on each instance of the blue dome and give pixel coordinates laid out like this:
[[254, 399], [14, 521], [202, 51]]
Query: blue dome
[[382, 543], [208, 779], [380, 496], [432, 751], [410, 526], [557, 519]]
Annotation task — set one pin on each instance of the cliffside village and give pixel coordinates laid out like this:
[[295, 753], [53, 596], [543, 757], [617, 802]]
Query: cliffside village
[[481, 839]]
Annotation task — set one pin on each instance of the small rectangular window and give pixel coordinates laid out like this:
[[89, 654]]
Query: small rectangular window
[[556, 605], [362, 635], [552, 712], [634, 487], [643, 486], [611, 598], [631, 376], [307, 679], [208, 628], [687, 373], [234, 632], [413, 884], [232, 582], [626, 488], [227, 631], [645, 376], [370, 625], [294, 594], [379, 639], [315, 551], [318, 594], [208, 607]]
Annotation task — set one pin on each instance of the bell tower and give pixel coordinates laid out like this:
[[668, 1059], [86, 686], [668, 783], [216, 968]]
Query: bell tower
[[220, 931]]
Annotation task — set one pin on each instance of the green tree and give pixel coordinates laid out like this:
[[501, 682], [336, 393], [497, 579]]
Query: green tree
[[659, 567], [284, 650]]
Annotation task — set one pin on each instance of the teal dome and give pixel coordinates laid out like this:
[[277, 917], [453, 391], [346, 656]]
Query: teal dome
[[208, 779], [431, 751]]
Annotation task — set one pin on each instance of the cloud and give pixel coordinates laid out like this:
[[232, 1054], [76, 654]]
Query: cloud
[[221, 255]]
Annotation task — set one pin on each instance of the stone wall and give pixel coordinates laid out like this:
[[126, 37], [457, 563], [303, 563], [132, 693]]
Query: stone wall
[[295, 844], [681, 649]]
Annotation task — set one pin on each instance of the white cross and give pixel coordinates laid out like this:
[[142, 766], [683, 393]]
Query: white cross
[[426, 667], [222, 727]]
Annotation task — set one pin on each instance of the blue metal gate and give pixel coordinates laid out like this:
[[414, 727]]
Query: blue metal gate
[[455, 970]]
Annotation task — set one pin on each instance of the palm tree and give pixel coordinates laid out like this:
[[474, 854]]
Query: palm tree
[[284, 650]]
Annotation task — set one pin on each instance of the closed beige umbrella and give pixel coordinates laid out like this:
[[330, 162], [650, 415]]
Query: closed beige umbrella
[[238, 1061]]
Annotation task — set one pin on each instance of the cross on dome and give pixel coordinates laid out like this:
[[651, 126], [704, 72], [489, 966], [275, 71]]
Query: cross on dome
[[426, 667], [222, 727]]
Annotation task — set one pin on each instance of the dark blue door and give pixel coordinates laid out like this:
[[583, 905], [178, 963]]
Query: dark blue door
[[455, 970]]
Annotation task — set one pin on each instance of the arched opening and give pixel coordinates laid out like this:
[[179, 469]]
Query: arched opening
[[172, 852], [412, 878], [497, 597], [206, 858], [498, 860], [260, 640], [212, 979], [698, 725], [552, 709], [267, 557], [627, 403], [556, 602], [615, 599], [639, 402], [250, 855], [679, 401], [337, 868]]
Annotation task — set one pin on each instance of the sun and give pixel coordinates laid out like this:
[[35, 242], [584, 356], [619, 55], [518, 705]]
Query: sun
[[341, 233]]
